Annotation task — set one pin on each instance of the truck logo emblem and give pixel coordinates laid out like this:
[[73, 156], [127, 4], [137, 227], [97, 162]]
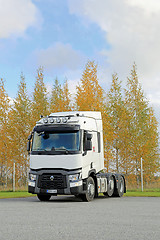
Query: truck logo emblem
[[51, 178]]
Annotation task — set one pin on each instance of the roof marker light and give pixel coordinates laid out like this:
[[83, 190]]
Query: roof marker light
[[58, 120], [51, 120], [64, 119], [45, 120]]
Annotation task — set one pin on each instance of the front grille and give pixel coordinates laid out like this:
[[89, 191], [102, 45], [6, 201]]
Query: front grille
[[52, 181]]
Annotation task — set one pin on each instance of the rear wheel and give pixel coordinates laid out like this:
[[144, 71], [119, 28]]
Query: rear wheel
[[42, 197], [110, 187], [120, 191], [90, 192]]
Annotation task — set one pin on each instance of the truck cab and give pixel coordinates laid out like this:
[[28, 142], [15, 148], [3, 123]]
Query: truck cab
[[66, 156]]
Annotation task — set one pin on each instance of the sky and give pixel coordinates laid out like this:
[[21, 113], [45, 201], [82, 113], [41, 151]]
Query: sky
[[62, 35]]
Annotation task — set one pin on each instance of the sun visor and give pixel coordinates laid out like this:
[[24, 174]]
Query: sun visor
[[57, 128]]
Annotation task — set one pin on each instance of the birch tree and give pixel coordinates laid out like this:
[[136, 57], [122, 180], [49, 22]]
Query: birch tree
[[5, 156], [40, 104], [89, 96], [115, 110], [20, 128], [139, 129], [60, 97]]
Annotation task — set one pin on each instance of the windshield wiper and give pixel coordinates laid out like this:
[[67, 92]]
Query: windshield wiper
[[40, 133], [63, 149], [39, 151], [53, 149]]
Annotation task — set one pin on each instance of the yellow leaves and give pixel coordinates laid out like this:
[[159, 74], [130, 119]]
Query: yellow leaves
[[66, 97], [126, 119], [39, 105], [141, 130], [5, 153], [89, 96], [130, 128], [60, 97]]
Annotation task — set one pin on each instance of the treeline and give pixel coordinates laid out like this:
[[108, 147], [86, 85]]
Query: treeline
[[130, 126]]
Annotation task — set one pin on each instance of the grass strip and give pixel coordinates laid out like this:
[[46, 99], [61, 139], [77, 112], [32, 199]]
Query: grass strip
[[141, 194], [144, 190], [15, 194], [23, 194]]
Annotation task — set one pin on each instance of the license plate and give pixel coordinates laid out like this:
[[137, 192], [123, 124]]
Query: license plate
[[51, 191]]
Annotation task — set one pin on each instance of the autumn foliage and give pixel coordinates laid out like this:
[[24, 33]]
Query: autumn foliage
[[129, 124]]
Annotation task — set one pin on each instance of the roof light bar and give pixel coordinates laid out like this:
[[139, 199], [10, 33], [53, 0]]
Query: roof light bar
[[52, 120]]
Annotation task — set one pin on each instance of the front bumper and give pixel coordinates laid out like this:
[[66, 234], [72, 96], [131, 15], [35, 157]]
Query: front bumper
[[60, 185]]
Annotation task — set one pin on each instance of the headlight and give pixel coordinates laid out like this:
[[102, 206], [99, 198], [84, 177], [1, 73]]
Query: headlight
[[75, 177], [32, 184], [32, 177]]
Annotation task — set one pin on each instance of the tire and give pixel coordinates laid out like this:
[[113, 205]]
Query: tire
[[90, 192], [110, 187], [43, 197], [120, 191]]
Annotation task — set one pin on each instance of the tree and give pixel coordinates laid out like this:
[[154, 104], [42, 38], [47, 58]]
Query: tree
[[66, 96], [138, 128], [60, 97], [39, 105], [89, 96], [115, 110], [151, 163], [5, 156], [20, 128]]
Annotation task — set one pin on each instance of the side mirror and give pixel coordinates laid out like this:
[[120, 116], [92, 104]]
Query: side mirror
[[28, 146]]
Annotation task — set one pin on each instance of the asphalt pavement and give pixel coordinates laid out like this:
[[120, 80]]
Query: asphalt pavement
[[67, 218]]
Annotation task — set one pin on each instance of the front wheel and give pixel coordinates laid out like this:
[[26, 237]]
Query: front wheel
[[42, 197], [90, 192]]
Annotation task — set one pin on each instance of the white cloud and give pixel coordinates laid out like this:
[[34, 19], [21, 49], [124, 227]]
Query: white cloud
[[132, 30], [154, 98], [59, 56], [16, 16], [147, 5]]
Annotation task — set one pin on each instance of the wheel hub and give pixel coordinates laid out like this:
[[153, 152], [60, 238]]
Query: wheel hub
[[111, 184], [91, 189], [121, 187]]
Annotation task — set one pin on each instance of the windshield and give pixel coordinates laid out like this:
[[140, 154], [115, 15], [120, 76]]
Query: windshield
[[68, 141]]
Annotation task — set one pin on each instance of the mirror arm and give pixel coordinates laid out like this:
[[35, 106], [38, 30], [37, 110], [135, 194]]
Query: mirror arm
[[84, 153]]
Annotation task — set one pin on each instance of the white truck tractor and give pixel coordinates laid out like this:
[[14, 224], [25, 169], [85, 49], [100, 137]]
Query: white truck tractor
[[67, 158]]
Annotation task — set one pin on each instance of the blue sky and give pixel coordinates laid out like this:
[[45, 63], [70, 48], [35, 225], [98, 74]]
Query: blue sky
[[61, 35], [56, 26]]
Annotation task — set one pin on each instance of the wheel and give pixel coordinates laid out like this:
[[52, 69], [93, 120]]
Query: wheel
[[110, 187], [43, 197], [90, 192], [120, 191]]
